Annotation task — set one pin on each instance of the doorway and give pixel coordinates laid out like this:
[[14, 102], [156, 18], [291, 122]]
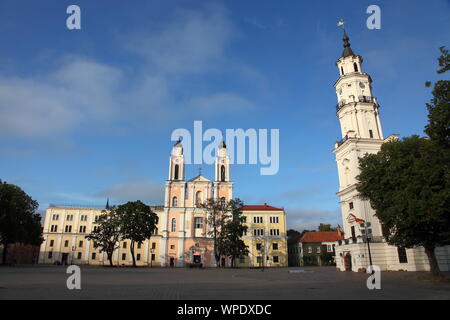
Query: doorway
[[348, 261], [65, 257], [172, 262], [197, 259]]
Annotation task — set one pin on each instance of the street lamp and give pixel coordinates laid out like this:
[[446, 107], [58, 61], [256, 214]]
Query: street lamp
[[365, 225]]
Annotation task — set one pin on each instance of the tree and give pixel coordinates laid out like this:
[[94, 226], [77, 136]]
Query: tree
[[106, 234], [234, 229], [326, 228], [408, 185], [218, 213], [291, 233], [438, 128], [19, 222], [408, 181], [137, 223]]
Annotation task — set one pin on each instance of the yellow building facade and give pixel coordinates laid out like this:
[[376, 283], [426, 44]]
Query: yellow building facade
[[181, 237]]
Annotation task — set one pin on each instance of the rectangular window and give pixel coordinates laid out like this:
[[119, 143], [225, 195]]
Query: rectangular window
[[153, 257], [371, 133], [69, 217], [138, 257], [50, 255], [55, 217], [139, 245], [79, 255], [275, 246], [172, 246], [153, 245], [68, 229], [54, 228], [329, 248], [350, 205], [198, 223], [124, 256], [93, 255], [275, 259], [257, 219], [82, 229], [66, 243], [259, 259], [258, 246], [52, 242], [402, 257], [274, 220], [244, 219], [80, 244], [124, 245]]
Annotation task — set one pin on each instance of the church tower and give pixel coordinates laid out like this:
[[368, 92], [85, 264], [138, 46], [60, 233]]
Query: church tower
[[358, 114], [223, 187]]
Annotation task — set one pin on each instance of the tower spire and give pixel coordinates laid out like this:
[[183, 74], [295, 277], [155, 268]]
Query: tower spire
[[347, 48]]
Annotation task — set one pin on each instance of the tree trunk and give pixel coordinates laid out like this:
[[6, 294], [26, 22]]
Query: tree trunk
[[132, 253], [5, 253], [110, 257], [434, 266]]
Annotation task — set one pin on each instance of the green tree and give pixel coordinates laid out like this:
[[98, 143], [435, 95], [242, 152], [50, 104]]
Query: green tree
[[106, 234], [137, 223], [408, 185], [438, 128], [233, 231], [326, 228], [218, 212], [19, 222], [291, 233]]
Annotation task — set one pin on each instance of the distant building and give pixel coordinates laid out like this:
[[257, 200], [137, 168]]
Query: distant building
[[313, 249]]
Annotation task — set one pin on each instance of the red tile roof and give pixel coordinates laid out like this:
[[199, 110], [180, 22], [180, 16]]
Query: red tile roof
[[264, 207], [321, 236]]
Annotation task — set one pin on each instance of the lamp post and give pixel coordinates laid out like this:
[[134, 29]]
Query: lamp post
[[368, 242]]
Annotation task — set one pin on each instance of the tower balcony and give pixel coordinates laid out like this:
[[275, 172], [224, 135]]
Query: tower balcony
[[362, 99]]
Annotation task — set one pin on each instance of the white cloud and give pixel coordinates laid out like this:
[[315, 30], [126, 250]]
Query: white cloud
[[150, 193]]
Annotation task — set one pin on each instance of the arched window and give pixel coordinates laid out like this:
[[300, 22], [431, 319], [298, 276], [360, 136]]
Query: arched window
[[176, 174], [355, 66], [222, 200], [174, 202], [342, 70], [174, 225], [198, 198], [222, 173]]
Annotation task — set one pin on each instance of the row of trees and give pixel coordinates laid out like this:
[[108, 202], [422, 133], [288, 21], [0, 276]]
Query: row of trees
[[19, 220], [136, 222], [408, 181]]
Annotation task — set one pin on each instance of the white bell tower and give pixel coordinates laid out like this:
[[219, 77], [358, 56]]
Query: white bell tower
[[357, 111], [176, 163]]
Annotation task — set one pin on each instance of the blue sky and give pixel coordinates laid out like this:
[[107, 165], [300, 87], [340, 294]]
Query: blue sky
[[88, 114]]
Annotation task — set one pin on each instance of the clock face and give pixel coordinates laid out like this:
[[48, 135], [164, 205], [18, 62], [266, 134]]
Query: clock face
[[362, 85]]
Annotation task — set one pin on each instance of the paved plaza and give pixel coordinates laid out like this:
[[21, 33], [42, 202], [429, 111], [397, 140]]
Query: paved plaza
[[49, 282]]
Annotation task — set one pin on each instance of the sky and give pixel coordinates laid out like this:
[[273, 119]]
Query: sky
[[88, 114]]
